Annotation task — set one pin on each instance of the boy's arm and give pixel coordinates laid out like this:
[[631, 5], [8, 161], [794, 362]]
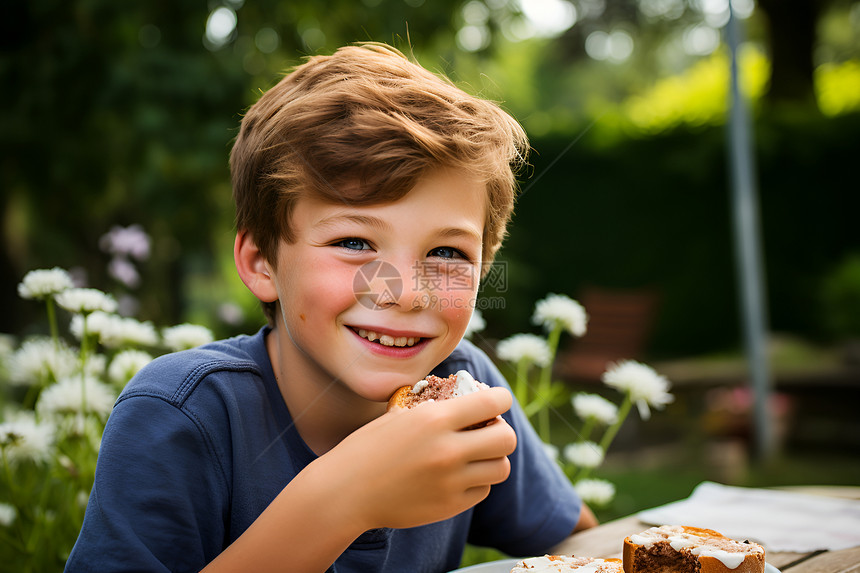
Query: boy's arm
[[401, 470], [159, 498], [587, 519]]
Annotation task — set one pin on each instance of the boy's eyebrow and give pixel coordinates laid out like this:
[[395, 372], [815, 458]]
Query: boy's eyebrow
[[455, 232], [375, 222]]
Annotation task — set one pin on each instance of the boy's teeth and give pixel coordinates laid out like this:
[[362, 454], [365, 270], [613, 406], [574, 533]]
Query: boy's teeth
[[368, 334], [386, 339]]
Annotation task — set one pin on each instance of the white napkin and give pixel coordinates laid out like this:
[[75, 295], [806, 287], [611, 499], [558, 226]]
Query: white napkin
[[779, 520]]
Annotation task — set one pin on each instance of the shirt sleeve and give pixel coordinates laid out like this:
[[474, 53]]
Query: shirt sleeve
[[537, 506], [158, 487]]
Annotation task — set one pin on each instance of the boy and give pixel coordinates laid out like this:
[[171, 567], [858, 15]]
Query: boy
[[364, 187]]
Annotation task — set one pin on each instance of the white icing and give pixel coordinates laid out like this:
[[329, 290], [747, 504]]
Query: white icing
[[679, 542], [419, 386], [730, 560], [533, 563], [562, 564], [465, 384], [642, 540]]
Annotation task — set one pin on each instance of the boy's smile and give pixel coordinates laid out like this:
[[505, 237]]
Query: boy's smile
[[389, 339], [374, 297]]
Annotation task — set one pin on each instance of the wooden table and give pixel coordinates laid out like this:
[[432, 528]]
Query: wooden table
[[605, 541]]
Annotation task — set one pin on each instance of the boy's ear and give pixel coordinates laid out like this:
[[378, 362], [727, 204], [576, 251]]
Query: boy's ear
[[253, 268]]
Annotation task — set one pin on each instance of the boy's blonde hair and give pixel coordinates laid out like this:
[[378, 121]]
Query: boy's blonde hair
[[360, 127]]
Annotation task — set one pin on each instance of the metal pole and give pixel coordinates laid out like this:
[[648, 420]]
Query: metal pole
[[748, 253]]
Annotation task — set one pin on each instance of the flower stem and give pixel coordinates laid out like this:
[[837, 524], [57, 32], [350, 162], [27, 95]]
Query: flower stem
[[32, 395], [587, 428], [7, 473], [521, 390], [52, 321], [84, 352], [84, 344], [545, 383], [623, 410], [584, 473]]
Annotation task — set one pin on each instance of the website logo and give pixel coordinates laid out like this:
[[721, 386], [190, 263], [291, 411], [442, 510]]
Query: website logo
[[377, 284]]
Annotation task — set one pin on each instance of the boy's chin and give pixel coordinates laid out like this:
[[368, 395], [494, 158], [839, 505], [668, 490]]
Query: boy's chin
[[383, 387]]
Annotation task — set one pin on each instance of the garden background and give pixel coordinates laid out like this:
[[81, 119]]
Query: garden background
[[120, 114]]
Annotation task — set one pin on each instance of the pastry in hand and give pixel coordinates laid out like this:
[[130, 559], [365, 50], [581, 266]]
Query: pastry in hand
[[434, 388]]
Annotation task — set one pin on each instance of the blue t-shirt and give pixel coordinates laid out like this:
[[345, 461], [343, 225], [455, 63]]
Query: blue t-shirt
[[201, 441]]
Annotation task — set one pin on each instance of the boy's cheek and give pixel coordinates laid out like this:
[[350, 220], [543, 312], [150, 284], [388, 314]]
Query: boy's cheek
[[328, 280], [456, 306]]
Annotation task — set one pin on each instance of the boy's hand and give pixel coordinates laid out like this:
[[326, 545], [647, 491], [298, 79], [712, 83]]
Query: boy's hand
[[418, 466]]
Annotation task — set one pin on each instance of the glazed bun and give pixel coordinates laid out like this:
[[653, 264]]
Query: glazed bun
[[682, 548]]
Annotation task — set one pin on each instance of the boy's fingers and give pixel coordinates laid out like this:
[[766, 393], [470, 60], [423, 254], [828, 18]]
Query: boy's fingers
[[476, 495], [496, 440], [475, 408], [487, 472]]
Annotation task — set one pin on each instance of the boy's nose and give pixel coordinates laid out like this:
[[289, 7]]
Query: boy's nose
[[377, 284], [416, 292], [405, 285], [430, 284]]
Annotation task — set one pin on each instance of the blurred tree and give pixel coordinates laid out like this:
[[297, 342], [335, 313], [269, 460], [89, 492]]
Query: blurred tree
[[792, 39], [117, 116], [120, 113], [665, 35]]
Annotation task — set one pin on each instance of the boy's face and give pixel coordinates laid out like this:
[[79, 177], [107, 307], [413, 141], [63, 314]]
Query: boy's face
[[376, 296]]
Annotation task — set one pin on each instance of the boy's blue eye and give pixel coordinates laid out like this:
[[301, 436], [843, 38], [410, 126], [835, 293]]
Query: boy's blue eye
[[353, 244], [446, 253]]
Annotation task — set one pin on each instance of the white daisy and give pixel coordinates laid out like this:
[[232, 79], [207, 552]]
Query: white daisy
[[66, 397], [115, 331], [22, 438], [584, 454], [595, 492], [40, 360], [7, 346], [528, 347], [7, 514], [129, 332], [86, 300], [96, 365], [595, 406], [185, 336], [126, 364], [96, 322], [42, 283], [476, 324], [644, 386], [561, 309]]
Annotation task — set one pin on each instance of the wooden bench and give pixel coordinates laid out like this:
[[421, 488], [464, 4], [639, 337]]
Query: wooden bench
[[619, 325]]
